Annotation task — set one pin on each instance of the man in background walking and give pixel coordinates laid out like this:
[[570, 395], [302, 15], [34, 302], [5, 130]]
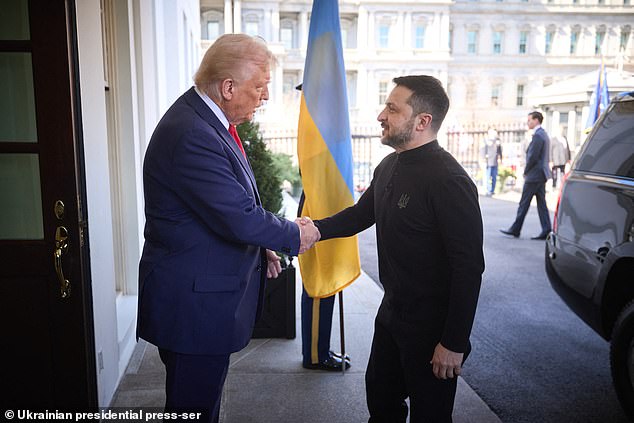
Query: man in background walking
[[536, 173]]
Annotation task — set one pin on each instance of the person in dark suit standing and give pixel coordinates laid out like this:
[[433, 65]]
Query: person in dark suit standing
[[536, 173], [208, 242], [429, 240]]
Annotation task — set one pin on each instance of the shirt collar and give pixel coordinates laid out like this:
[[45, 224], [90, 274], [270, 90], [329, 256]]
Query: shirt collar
[[214, 107]]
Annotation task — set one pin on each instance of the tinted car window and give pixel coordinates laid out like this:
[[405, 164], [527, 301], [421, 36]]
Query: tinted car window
[[611, 149]]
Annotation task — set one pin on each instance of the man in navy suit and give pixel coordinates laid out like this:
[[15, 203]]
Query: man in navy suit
[[208, 242], [536, 173]]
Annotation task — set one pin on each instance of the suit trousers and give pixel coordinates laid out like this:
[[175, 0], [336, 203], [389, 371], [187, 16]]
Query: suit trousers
[[530, 190], [194, 383], [399, 367], [316, 327]]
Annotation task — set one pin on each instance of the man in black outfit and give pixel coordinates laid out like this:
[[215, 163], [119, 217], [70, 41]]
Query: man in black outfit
[[536, 173], [429, 239]]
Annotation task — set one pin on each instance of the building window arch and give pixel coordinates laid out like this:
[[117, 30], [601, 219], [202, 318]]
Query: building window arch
[[348, 31], [251, 22], [212, 24], [385, 30], [420, 23], [288, 32]]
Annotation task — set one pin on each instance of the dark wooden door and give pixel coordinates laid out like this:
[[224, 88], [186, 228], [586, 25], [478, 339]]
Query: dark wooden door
[[46, 341]]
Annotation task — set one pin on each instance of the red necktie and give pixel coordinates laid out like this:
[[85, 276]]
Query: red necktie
[[234, 134]]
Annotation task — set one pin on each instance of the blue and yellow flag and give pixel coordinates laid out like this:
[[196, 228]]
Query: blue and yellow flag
[[600, 98], [325, 153]]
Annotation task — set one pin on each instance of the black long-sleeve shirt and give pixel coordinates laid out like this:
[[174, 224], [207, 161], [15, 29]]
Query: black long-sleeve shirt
[[429, 238]]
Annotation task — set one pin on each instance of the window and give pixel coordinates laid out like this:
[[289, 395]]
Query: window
[[384, 35], [523, 42], [251, 28], [548, 47], [289, 82], [610, 149], [472, 40], [519, 101], [213, 30], [497, 42], [598, 41], [287, 34], [574, 39], [419, 36], [382, 92], [625, 37], [351, 86], [471, 95], [349, 32], [450, 46], [495, 95], [213, 24]]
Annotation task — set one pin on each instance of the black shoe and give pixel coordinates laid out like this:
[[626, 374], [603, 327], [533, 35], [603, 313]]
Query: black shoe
[[540, 237], [331, 364], [510, 232], [338, 355]]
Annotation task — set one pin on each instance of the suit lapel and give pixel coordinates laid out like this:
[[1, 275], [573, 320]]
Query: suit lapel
[[194, 100]]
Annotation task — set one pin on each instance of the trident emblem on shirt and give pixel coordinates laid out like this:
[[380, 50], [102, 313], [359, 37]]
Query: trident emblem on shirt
[[402, 202]]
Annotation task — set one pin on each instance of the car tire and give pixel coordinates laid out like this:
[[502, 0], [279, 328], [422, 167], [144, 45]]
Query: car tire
[[622, 358]]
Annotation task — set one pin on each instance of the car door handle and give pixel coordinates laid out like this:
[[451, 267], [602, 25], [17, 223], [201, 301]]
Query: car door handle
[[602, 253]]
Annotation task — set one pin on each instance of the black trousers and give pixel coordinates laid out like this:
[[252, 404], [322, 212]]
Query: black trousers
[[194, 383], [557, 170], [399, 368], [530, 190]]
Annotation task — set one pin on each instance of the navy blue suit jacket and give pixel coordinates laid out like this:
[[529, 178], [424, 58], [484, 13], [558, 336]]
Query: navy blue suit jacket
[[203, 266], [537, 156]]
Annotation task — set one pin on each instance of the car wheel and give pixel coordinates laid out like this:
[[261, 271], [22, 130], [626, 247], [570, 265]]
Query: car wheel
[[622, 358]]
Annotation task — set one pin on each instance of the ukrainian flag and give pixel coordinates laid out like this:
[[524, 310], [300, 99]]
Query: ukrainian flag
[[325, 153], [599, 100]]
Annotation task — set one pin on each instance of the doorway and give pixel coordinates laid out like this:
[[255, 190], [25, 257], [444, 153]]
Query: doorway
[[45, 294]]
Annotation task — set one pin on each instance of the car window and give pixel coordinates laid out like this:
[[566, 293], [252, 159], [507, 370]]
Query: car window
[[611, 149]]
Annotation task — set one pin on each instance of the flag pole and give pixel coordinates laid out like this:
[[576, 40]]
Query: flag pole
[[342, 335]]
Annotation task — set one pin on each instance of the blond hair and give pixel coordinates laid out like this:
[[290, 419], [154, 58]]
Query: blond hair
[[230, 57]]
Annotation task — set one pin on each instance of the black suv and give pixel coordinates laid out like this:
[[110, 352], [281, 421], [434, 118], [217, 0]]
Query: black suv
[[590, 252]]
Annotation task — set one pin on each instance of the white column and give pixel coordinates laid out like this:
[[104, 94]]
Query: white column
[[408, 31], [303, 30], [434, 39], [275, 26], [362, 91], [228, 17], [444, 32], [237, 16], [362, 29], [554, 124], [401, 39], [371, 36], [570, 135], [278, 85]]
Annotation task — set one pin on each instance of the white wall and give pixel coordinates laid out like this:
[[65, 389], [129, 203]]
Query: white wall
[[156, 58], [98, 195]]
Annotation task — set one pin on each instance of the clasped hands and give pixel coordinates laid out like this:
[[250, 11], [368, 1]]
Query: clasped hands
[[308, 233]]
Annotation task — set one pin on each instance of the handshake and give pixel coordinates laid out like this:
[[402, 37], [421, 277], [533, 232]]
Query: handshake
[[308, 233]]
